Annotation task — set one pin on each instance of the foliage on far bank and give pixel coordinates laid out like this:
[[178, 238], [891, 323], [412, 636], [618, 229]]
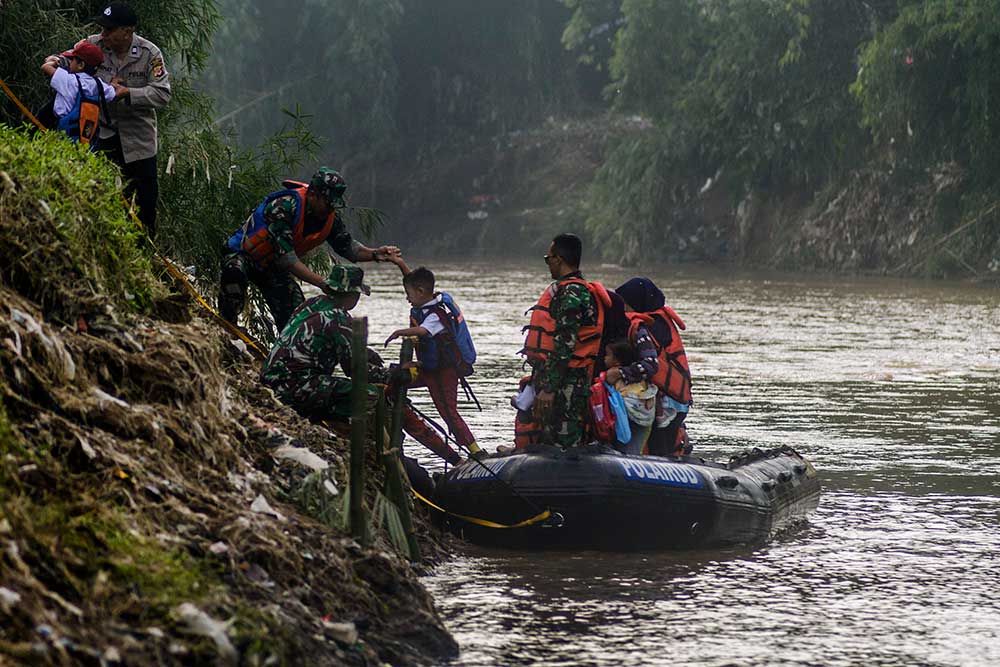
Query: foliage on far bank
[[778, 98]]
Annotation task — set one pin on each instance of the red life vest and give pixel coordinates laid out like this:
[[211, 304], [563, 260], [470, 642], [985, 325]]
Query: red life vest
[[258, 244], [672, 374], [540, 339]]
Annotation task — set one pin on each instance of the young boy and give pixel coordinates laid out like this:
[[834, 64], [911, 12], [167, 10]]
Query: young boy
[[444, 348], [79, 94]]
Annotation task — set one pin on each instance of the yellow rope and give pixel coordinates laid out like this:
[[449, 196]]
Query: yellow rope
[[24, 109], [538, 518]]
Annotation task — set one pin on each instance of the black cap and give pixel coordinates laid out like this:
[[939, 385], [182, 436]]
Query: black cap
[[117, 14]]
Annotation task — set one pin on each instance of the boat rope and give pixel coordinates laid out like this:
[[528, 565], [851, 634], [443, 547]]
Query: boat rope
[[469, 394], [538, 518], [534, 507], [256, 348]]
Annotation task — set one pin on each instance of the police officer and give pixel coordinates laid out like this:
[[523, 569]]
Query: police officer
[[135, 67]]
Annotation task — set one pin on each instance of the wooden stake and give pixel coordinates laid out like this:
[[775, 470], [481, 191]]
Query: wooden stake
[[392, 459], [359, 415]]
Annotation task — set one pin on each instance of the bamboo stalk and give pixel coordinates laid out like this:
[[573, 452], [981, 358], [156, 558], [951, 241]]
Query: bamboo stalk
[[359, 414], [396, 429], [396, 490], [395, 476]]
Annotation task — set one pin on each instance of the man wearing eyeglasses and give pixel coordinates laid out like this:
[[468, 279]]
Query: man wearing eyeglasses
[[562, 345]]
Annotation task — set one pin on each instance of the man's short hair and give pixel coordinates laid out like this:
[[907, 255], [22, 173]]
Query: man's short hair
[[421, 278], [570, 248]]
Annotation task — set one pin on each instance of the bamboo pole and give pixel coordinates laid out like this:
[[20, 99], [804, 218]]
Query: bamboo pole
[[359, 414], [396, 430], [396, 488], [392, 459]]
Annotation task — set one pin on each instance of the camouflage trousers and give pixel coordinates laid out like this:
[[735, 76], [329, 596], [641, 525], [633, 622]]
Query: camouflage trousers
[[567, 423], [321, 396], [279, 288]]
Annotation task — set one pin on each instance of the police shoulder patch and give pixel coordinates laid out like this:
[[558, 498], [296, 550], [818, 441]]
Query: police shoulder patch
[[158, 69]]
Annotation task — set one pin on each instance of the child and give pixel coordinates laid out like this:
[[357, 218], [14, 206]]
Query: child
[[444, 348], [639, 397], [79, 95]]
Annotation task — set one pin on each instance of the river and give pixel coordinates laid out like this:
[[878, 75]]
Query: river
[[890, 388]]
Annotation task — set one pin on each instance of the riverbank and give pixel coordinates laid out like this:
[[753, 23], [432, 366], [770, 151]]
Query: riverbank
[[159, 506]]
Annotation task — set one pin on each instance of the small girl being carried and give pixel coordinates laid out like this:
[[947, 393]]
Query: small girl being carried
[[639, 396]]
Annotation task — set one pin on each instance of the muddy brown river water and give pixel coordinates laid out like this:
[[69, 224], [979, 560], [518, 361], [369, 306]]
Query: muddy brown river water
[[890, 388]]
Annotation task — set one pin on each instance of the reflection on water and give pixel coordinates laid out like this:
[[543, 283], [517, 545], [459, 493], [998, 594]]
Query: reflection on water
[[892, 389]]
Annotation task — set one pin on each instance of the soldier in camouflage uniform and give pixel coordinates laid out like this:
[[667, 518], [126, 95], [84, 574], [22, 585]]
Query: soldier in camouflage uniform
[[266, 250], [563, 391], [300, 367]]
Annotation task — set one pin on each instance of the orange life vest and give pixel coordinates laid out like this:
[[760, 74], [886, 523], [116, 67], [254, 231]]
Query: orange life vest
[[256, 239], [540, 339], [673, 376]]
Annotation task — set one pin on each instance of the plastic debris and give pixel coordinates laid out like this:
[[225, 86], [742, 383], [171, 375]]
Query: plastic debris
[[54, 346], [261, 506], [302, 456], [219, 548], [8, 599], [203, 625], [105, 397], [345, 633]]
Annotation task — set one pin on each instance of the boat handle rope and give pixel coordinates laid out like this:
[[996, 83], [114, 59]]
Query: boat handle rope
[[538, 518], [177, 274]]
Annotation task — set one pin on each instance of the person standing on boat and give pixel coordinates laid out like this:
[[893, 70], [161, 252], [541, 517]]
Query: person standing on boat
[[652, 321], [562, 344], [301, 365]]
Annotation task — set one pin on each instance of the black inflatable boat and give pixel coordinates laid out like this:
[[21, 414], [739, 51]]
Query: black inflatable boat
[[602, 499]]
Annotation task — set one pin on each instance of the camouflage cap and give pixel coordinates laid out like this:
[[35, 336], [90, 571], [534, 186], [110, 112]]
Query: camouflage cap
[[348, 279], [330, 183]]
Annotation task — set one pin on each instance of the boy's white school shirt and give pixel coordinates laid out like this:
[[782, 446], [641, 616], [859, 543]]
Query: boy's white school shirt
[[64, 83]]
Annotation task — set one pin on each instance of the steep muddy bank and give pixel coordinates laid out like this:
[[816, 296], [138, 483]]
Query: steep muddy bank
[[159, 507]]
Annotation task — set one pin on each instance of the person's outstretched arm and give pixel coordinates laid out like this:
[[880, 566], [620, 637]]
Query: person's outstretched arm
[[397, 259]]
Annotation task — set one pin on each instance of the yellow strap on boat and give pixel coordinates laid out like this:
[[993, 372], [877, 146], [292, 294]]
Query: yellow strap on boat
[[538, 518]]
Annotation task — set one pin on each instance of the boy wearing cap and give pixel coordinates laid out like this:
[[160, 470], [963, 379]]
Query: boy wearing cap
[[76, 88], [289, 223], [301, 365]]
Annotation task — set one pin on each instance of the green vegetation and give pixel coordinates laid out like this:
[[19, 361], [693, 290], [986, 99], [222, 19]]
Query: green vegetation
[[62, 213], [775, 97]]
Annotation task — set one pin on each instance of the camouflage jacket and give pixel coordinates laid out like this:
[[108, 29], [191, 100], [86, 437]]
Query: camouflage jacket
[[572, 307], [316, 340], [280, 215]]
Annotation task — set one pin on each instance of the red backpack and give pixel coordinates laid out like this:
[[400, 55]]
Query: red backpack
[[600, 411]]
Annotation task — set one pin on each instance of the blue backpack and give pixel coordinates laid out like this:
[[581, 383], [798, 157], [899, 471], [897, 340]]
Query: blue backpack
[[84, 119], [457, 349]]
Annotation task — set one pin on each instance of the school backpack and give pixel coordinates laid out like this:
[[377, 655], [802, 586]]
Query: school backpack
[[84, 119], [429, 351]]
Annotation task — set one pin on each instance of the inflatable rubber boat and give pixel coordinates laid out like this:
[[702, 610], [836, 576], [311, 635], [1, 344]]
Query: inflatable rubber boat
[[594, 497]]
